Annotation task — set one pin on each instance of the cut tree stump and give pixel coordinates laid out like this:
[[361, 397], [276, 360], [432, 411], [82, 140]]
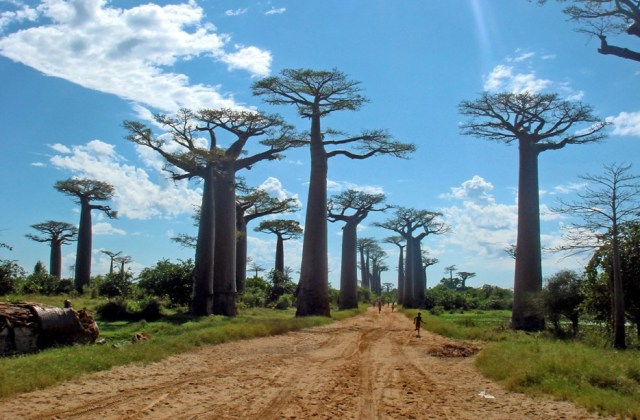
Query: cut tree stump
[[26, 327]]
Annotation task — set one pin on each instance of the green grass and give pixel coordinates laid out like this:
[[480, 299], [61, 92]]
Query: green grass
[[600, 379], [172, 335]]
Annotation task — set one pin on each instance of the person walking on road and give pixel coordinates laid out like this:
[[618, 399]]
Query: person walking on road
[[418, 321]]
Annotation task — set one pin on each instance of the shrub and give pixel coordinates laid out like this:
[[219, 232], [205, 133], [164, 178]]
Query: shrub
[[114, 284], [284, 302], [11, 275], [172, 280]]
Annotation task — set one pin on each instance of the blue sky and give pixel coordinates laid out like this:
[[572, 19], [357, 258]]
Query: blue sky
[[73, 71]]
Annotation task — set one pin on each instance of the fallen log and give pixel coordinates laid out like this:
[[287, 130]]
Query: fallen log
[[27, 327]]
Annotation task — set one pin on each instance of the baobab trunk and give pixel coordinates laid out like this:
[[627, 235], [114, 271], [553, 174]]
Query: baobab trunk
[[619, 339], [55, 260], [363, 270], [528, 271], [349, 267], [280, 254], [241, 252], [401, 279], [202, 277], [313, 288], [224, 270], [418, 273], [407, 299], [83, 255]]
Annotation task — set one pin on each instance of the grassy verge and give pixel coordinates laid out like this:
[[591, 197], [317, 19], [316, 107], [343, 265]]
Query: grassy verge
[[600, 379], [170, 336]]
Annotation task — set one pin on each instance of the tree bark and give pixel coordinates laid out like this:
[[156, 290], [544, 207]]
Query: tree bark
[[55, 260], [418, 273], [528, 268], [408, 298], [202, 277], [224, 269], [83, 254], [401, 275], [241, 252], [280, 254], [313, 292], [619, 339], [363, 270]]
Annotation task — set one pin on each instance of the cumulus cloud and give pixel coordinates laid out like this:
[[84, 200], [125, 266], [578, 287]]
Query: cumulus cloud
[[128, 52], [139, 194], [626, 124], [105, 228], [274, 187], [507, 78], [339, 186], [236, 12]]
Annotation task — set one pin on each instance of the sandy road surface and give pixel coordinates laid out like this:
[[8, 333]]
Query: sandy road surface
[[368, 367]]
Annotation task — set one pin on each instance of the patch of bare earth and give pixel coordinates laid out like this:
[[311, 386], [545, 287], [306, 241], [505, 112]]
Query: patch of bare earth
[[368, 367]]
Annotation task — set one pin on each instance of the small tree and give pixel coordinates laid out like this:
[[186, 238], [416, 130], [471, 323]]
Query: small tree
[[56, 234], [86, 192], [284, 230], [561, 297], [609, 201], [464, 276], [538, 123], [172, 280], [112, 257]]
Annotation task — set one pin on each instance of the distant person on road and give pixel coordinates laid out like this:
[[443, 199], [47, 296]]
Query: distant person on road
[[418, 321], [379, 306], [393, 306]]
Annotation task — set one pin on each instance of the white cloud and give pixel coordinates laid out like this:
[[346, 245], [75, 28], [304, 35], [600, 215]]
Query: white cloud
[[38, 164], [273, 186], [275, 11], [104, 228], [60, 148], [524, 57], [339, 186], [626, 124], [21, 14], [255, 60], [127, 52], [236, 12], [475, 190], [506, 78], [137, 195]]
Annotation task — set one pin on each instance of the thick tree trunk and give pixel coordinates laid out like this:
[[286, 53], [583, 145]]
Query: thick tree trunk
[[367, 269], [202, 277], [241, 252], [55, 260], [401, 276], [418, 272], [83, 254], [313, 288], [407, 300], [363, 270], [527, 314], [619, 340], [280, 254], [224, 270]]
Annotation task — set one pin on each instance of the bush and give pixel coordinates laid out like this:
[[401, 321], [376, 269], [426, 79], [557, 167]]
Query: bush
[[40, 282], [284, 302], [172, 280], [126, 310], [11, 275], [114, 284]]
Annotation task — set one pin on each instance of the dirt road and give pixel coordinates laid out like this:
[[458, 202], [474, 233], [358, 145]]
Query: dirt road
[[368, 367]]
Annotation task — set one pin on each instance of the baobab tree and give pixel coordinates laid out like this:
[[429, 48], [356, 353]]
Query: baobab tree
[[364, 246], [112, 256], [601, 18], [284, 230], [122, 260], [538, 123], [608, 202], [317, 94], [426, 263], [56, 234], [252, 204], [351, 207], [414, 225], [400, 243], [257, 268], [464, 276], [214, 285], [86, 192]]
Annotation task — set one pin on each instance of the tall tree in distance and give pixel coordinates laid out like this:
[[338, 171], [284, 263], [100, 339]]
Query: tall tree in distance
[[86, 192], [112, 257], [464, 276], [284, 230], [351, 207], [601, 18], [317, 94], [364, 246], [609, 201], [399, 241], [252, 204], [56, 234], [538, 123], [414, 225], [427, 262]]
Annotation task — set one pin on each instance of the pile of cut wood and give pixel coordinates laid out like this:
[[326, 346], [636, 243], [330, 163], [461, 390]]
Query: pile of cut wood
[[26, 327]]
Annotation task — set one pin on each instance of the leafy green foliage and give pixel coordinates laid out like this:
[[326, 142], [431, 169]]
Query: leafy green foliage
[[113, 284], [167, 279], [444, 298], [561, 298], [10, 276]]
